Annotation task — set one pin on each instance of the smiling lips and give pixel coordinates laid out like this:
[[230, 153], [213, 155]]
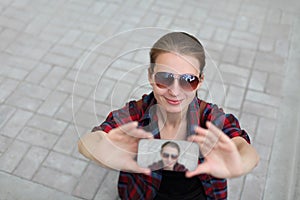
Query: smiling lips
[[173, 102]]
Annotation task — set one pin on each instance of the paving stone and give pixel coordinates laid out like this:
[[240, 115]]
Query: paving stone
[[31, 162], [218, 22], [236, 70], [258, 80], [5, 142], [54, 77], [85, 119], [65, 164], [217, 93], [264, 151], [230, 54], [249, 123], [256, 26], [263, 98], [14, 73], [90, 181], [68, 141], [253, 183], [241, 23], [16, 123], [69, 108], [37, 137], [108, 189], [232, 79], [56, 59], [26, 89], [235, 187], [13, 187], [12, 23], [260, 109], [19, 62], [47, 124], [282, 47], [276, 31], [242, 43], [269, 63], [234, 97], [266, 131], [38, 74], [37, 24], [266, 44], [5, 113], [12, 156], [52, 103], [274, 84], [55, 179], [246, 58], [7, 37], [70, 37], [24, 102], [67, 51], [75, 88], [206, 32]]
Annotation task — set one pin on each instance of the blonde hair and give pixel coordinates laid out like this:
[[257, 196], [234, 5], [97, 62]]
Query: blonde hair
[[178, 42]]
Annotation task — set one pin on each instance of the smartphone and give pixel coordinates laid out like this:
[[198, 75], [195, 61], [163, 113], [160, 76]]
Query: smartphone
[[172, 155]]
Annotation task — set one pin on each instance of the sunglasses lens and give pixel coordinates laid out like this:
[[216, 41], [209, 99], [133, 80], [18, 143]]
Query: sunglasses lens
[[163, 79], [166, 155], [188, 82]]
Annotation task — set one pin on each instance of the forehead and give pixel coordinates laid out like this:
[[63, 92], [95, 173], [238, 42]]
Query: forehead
[[169, 149], [176, 63]]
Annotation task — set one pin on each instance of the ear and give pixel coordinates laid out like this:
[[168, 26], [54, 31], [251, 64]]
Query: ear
[[150, 77], [201, 78]]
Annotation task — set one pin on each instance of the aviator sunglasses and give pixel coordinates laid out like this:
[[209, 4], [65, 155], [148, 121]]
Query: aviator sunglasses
[[167, 155], [187, 82]]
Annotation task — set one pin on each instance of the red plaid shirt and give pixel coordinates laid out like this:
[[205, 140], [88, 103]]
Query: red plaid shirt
[[133, 186]]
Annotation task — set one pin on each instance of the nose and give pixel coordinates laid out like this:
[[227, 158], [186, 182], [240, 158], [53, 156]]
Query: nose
[[174, 89]]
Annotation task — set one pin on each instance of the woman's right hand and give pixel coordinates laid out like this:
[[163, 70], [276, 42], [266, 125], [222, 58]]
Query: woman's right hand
[[117, 149]]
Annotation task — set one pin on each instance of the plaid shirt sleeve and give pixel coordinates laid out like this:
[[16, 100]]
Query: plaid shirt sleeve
[[130, 112], [228, 123], [216, 188], [132, 185]]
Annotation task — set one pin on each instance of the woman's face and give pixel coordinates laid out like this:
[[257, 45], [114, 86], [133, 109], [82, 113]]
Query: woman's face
[[169, 157], [174, 99]]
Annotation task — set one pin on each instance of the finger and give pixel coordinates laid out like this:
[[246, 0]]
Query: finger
[[139, 133], [200, 131], [134, 167], [204, 144], [201, 169], [217, 132], [129, 126]]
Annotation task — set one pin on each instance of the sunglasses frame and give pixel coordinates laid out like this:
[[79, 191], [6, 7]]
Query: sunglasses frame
[[167, 155], [183, 82]]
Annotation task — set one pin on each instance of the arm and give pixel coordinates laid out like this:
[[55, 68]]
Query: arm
[[249, 156], [115, 150], [88, 143]]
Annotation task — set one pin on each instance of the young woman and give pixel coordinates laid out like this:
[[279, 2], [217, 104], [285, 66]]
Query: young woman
[[172, 111]]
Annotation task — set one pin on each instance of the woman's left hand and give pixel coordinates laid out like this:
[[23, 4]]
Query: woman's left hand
[[222, 158]]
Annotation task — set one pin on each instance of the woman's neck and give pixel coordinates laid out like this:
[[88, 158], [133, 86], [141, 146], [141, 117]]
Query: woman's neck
[[172, 125]]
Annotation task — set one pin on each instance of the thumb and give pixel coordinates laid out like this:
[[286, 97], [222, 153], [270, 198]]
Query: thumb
[[203, 168], [134, 167]]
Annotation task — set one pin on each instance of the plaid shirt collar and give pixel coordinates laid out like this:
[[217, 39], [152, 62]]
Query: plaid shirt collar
[[149, 121]]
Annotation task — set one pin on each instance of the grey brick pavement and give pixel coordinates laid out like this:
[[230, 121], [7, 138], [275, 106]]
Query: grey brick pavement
[[62, 72]]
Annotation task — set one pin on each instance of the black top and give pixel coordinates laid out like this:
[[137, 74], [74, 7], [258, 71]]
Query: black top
[[175, 186]]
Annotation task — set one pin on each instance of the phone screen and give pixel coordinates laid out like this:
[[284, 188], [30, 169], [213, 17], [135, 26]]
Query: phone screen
[[172, 155]]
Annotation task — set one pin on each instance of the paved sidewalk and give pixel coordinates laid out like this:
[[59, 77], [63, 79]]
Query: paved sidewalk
[[65, 64]]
